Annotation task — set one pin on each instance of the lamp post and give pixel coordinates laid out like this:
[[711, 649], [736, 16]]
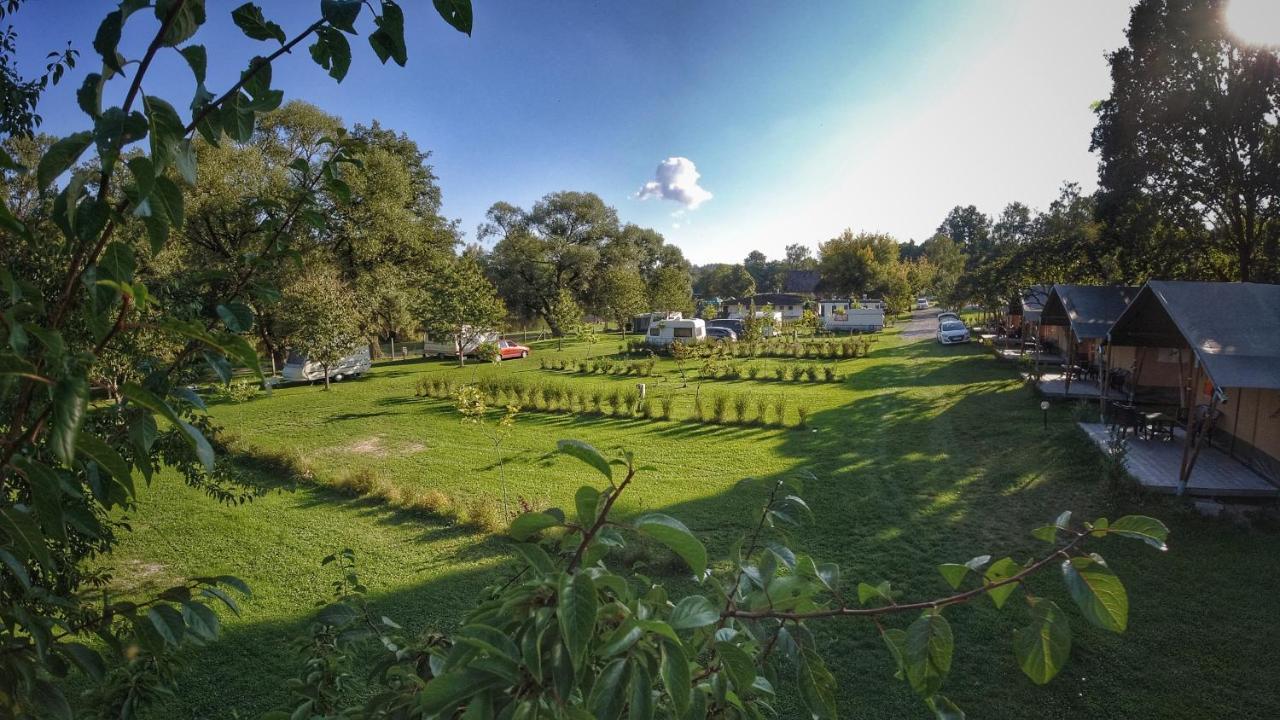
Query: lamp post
[[1044, 410]]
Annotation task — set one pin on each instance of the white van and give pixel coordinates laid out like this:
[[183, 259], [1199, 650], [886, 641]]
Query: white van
[[297, 368], [665, 332], [447, 346]]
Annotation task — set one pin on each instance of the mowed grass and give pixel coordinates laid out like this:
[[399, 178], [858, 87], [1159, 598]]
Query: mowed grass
[[923, 455]]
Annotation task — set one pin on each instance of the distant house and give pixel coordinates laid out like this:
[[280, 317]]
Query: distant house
[[790, 305], [801, 282], [1210, 351]]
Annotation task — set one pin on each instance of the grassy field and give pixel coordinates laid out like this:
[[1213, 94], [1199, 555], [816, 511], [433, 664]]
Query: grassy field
[[923, 455]]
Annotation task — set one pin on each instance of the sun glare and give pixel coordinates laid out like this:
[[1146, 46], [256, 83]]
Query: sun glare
[[1256, 22]]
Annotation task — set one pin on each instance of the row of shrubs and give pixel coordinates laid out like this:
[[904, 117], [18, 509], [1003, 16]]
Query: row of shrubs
[[779, 347], [714, 408], [793, 373], [601, 366]]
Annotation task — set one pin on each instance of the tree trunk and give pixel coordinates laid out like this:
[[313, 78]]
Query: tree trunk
[[325, 368], [393, 346]]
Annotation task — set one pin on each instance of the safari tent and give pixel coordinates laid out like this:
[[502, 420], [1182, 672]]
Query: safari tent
[[1212, 350], [1076, 318], [1022, 317]]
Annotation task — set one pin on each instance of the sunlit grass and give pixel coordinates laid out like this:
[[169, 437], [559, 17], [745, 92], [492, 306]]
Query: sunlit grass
[[923, 455]]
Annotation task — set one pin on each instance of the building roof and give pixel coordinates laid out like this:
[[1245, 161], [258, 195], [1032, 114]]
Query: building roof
[[800, 281], [1029, 302], [771, 299], [1090, 310], [1233, 328]]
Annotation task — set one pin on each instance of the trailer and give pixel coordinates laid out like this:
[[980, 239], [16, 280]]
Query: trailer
[[666, 332], [298, 368], [447, 345], [854, 320]]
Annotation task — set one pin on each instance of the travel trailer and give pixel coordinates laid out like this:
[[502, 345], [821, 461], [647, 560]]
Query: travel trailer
[[297, 368], [665, 332], [447, 345]]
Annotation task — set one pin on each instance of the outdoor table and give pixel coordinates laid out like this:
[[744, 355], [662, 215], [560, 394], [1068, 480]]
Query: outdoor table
[[1158, 425]]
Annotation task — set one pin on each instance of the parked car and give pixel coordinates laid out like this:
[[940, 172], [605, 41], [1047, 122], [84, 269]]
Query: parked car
[[922, 303], [734, 324], [510, 350], [952, 332], [297, 368], [944, 317], [721, 333]]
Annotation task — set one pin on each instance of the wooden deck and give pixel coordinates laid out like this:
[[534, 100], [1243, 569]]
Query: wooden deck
[[1053, 385], [1154, 464]]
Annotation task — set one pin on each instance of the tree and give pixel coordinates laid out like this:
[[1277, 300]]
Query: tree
[[969, 229], [851, 264], [93, 228], [671, 290], [733, 281], [322, 322], [947, 262], [459, 301], [622, 295], [18, 96], [800, 257], [1188, 139]]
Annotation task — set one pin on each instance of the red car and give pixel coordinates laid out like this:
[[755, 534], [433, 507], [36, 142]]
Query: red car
[[508, 350]]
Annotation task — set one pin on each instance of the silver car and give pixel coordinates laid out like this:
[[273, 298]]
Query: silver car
[[952, 332]]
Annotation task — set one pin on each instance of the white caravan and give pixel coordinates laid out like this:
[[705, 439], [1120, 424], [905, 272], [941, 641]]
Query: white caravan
[[447, 346], [665, 332], [297, 368]]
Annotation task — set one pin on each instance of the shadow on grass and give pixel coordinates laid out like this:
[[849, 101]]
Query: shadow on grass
[[906, 478]]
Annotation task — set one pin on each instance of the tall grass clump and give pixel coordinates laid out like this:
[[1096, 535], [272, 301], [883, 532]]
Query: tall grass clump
[[762, 411], [719, 408], [780, 410], [741, 403]]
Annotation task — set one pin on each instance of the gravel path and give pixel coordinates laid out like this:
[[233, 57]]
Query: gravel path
[[922, 326]]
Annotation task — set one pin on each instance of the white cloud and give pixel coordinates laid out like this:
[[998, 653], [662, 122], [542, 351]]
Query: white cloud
[[676, 179]]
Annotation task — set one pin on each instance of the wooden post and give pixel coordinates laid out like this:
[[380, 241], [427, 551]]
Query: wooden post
[[1104, 377], [1070, 359], [1189, 438]]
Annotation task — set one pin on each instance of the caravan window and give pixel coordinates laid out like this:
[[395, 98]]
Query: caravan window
[[655, 331], [682, 332], [296, 359]]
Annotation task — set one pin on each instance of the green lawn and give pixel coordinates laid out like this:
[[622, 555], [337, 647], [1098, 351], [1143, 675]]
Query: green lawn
[[923, 455]]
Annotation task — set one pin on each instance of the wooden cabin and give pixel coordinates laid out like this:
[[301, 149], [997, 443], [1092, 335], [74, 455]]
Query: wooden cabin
[[1210, 351]]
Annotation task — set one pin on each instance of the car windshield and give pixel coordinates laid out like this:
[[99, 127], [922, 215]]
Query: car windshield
[[949, 326]]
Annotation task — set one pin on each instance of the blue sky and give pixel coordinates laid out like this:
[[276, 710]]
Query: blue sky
[[801, 118]]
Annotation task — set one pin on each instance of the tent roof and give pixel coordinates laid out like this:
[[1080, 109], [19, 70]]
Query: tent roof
[[1089, 310], [1233, 328], [1029, 302]]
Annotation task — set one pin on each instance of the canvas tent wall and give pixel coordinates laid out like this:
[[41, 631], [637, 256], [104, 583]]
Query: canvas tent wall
[[1223, 341], [1024, 309]]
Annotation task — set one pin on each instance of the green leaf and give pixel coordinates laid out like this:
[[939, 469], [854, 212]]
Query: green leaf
[[587, 454], [535, 557], [586, 500], [107, 458], [530, 523], [693, 612], [167, 131], [89, 661], [1000, 570], [1147, 529], [868, 592], [388, 40], [255, 25], [197, 59], [238, 317], [337, 615], [642, 706], [144, 174], [13, 365], [672, 533], [24, 535], [817, 686], [1098, 591], [168, 622], [738, 665], [576, 612], [185, 18], [1047, 533], [332, 52], [455, 12], [237, 117], [943, 708], [953, 573], [609, 691], [61, 156], [48, 698], [445, 691], [341, 14], [89, 96], [927, 652], [46, 496], [674, 671], [70, 398], [184, 159], [108, 38], [117, 262], [167, 198], [1043, 646]]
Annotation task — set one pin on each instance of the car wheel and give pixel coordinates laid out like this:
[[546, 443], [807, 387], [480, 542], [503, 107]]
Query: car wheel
[[524, 354]]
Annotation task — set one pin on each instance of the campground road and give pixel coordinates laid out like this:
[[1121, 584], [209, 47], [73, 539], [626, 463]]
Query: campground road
[[922, 326]]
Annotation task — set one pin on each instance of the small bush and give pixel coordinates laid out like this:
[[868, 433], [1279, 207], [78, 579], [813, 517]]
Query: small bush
[[741, 403], [780, 410], [802, 416], [753, 371], [780, 372], [667, 402], [358, 482], [646, 409], [829, 374], [483, 514], [699, 410], [811, 373], [630, 401], [762, 410], [719, 408], [597, 400], [429, 501]]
